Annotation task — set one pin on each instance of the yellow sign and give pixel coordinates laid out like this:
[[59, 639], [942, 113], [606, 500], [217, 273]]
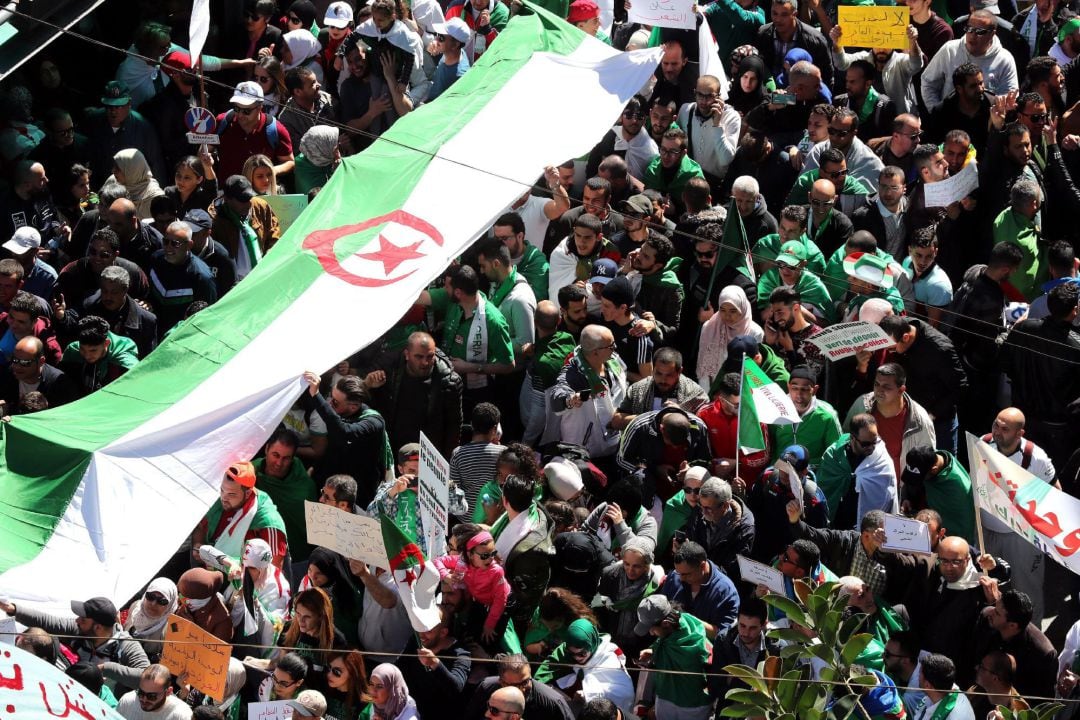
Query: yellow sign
[[874, 26], [204, 657]]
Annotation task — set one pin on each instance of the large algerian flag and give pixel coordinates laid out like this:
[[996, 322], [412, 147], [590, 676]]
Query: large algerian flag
[[96, 495], [761, 402], [416, 577]]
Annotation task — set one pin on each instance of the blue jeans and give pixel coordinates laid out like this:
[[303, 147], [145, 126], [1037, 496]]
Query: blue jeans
[[946, 428]]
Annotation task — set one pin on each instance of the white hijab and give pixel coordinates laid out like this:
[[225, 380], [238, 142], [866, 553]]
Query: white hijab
[[141, 625]]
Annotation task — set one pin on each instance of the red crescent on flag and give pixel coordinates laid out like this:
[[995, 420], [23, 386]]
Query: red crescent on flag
[[322, 242]]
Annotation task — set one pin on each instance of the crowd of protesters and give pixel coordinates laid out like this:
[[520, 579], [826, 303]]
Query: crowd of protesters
[[581, 365]]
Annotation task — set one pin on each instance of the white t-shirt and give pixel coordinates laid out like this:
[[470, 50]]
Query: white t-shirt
[[536, 222], [173, 709]]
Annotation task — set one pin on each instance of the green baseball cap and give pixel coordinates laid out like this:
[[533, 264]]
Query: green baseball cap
[[792, 254], [870, 268]]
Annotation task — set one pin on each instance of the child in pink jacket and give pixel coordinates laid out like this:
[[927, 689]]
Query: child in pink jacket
[[484, 578]]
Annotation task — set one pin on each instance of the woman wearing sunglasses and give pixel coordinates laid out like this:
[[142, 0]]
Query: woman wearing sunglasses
[[147, 616], [347, 686], [588, 665]]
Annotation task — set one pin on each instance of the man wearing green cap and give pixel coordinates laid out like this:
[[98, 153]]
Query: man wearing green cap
[[114, 127], [791, 271]]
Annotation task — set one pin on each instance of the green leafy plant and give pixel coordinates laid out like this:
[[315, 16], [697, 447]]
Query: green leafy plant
[[781, 687]]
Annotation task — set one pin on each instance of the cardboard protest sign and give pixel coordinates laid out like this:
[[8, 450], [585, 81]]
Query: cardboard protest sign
[[355, 536], [874, 26], [190, 649]]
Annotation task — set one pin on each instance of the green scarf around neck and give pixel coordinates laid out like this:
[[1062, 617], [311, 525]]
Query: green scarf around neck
[[247, 233], [596, 383]]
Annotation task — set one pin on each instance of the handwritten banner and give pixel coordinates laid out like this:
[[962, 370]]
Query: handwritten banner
[[843, 340], [874, 26], [205, 658], [906, 535], [357, 537], [433, 494], [33, 688], [1046, 517], [761, 574], [664, 13], [273, 710], [954, 189]]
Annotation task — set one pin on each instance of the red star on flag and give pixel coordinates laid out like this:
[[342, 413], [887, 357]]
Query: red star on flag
[[391, 255]]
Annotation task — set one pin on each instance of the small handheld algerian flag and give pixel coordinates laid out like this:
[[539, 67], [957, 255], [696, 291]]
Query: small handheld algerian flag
[[761, 402], [416, 577]]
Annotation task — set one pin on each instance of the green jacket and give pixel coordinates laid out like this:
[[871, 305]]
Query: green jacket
[[500, 349], [121, 352], [733, 25], [685, 650], [676, 514], [533, 266], [654, 178], [819, 429], [800, 194], [810, 288], [773, 366], [289, 495], [892, 295], [1012, 227], [768, 247], [949, 492], [549, 356]]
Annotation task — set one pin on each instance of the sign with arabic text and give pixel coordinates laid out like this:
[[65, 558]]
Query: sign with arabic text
[[433, 496], [33, 688], [874, 26], [205, 658]]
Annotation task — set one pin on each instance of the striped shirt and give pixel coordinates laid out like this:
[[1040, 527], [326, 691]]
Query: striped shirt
[[471, 466]]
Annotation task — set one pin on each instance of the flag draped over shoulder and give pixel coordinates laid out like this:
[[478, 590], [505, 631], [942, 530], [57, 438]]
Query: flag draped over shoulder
[[761, 402], [96, 495]]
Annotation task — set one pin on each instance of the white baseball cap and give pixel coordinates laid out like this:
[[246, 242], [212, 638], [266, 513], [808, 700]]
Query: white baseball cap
[[455, 28], [24, 240], [338, 15], [246, 94]]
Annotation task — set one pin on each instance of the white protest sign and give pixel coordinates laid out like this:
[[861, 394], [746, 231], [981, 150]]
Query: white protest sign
[[273, 710], [433, 496], [355, 536], [906, 535], [203, 139], [664, 13], [199, 29], [841, 341], [33, 688], [954, 189], [760, 574], [793, 481]]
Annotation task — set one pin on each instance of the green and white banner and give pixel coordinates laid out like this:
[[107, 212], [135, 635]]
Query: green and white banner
[[96, 495]]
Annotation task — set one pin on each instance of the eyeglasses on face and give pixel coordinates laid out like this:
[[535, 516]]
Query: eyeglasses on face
[[23, 363], [612, 347], [691, 490], [704, 96], [837, 132], [821, 203], [245, 110], [706, 254], [174, 243], [484, 555], [157, 598], [1036, 117], [139, 692], [294, 19], [634, 115], [669, 152], [979, 31], [336, 671], [836, 174], [952, 562], [284, 683]]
